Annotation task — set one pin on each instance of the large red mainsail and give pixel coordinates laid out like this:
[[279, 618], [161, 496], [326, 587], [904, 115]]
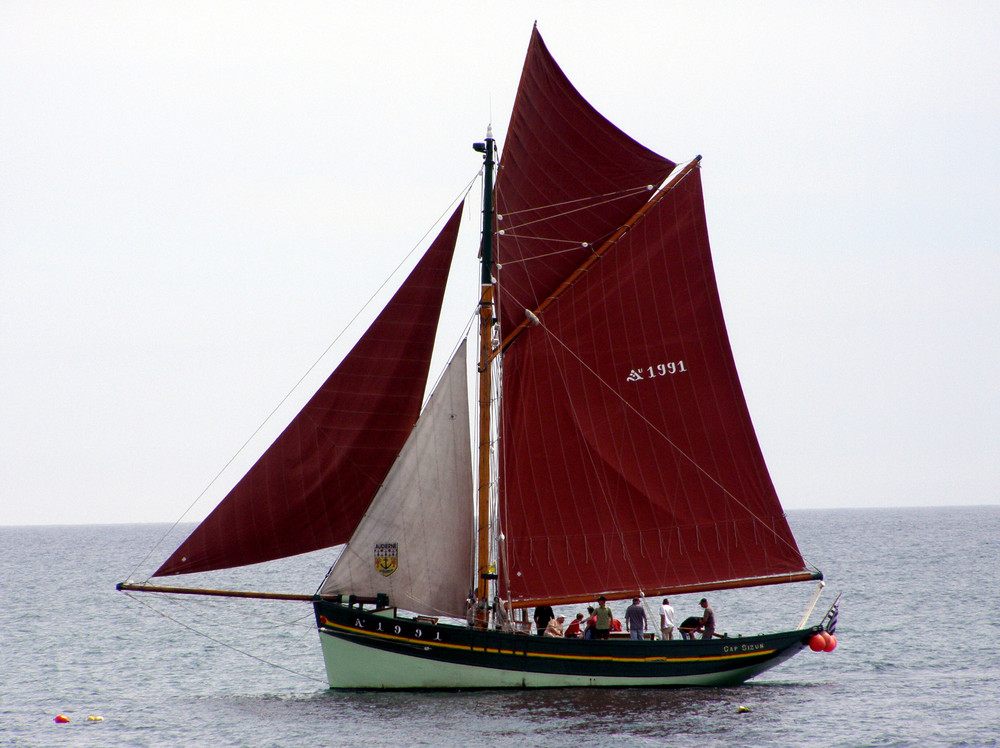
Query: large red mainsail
[[628, 460], [311, 487]]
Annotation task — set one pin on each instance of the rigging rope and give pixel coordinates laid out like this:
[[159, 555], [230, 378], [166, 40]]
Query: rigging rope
[[652, 620], [512, 231], [461, 196], [611, 513], [582, 203], [226, 644]]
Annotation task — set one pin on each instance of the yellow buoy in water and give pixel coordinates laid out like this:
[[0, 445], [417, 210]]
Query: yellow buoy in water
[[95, 718], [743, 709]]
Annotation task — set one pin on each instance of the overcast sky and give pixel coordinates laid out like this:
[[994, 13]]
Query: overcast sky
[[195, 198]]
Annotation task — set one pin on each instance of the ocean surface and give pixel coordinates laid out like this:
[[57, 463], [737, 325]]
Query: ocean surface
[[918, 661]]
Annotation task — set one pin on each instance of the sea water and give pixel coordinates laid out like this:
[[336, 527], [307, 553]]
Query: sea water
[[917, 661]]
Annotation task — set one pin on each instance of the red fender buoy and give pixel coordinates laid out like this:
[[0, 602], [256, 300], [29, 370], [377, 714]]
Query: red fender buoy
[[830, 645], [817, 643]]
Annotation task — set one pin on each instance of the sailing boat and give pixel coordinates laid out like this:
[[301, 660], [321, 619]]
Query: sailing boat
[[612, 428]]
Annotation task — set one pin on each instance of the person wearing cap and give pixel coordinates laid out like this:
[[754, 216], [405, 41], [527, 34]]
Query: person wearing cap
[[707, 622], [635, 617], [666, 620], [555, 627], [602, 619]]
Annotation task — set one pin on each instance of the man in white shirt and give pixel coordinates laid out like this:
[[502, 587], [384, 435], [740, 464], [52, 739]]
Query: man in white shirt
[[666, 620]]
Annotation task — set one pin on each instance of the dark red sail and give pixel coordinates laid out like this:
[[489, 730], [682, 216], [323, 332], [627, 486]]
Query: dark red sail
[[568, 178], [311, 487], [628, 459]]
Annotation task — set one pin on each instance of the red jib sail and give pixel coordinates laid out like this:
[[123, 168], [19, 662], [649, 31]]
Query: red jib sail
[[628, 461], [311, 487]]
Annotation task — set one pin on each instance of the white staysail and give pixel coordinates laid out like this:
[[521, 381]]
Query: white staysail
[[414, 543]]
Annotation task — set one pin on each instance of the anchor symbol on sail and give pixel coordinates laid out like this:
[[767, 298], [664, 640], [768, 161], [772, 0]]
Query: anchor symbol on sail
[[386, 558]]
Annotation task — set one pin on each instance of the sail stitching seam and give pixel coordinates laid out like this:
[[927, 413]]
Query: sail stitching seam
[[666, 438]]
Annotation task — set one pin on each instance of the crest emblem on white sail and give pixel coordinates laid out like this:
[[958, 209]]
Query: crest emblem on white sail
[[386, 558], [423, 513]]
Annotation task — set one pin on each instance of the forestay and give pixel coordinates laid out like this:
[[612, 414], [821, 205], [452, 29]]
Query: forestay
[[311, 487]]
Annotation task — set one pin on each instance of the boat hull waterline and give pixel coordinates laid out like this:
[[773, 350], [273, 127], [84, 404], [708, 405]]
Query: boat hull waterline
[[363, 649]]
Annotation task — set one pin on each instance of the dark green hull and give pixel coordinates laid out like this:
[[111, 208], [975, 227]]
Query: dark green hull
[[365, 649]]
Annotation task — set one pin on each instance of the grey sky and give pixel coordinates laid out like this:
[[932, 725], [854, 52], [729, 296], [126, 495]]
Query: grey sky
[[196, 197]]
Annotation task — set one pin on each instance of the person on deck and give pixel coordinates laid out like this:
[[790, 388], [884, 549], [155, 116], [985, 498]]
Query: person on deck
[[635, 617], [573, 631], [500, 614], [602, 619], [588, 631], [707, 623], [689, 626], [555, 627], [543, 614], [666, 620]]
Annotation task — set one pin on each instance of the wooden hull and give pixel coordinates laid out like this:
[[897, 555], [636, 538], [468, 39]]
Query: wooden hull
[[364, 649]]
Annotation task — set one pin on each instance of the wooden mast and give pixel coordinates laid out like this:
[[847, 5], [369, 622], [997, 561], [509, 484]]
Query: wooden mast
[[486, 322]]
